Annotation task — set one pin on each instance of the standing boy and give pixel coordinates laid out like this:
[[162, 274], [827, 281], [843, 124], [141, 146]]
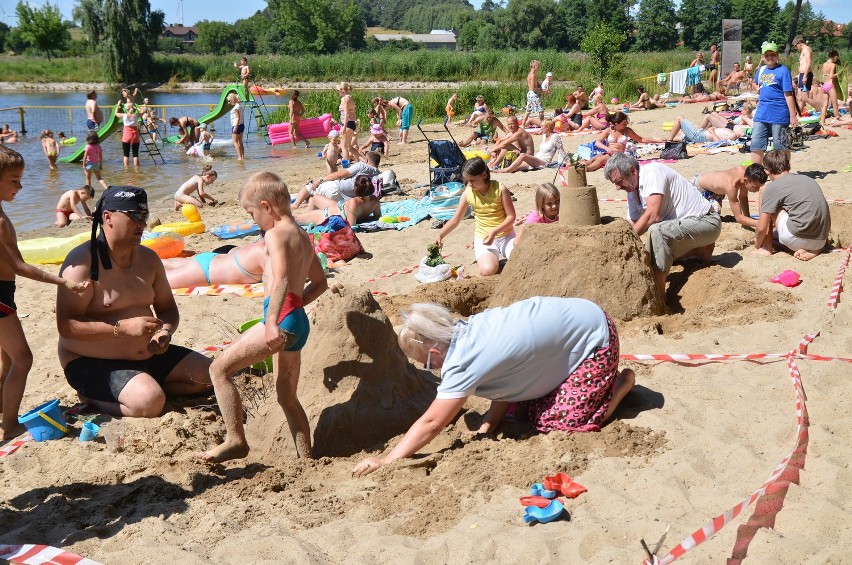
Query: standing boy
[[17, 359], [290, 260]]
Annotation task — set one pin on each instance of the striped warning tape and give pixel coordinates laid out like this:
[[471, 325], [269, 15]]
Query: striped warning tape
[[834, 295], [406, 271], [254, 290], [780, 477], [29, 554]]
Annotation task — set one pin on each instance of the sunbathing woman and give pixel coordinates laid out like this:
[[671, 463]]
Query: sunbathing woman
[[699, 96], [614, 140], [363, 207], [737, 125], [645, 102], [550, 151], [573, 111], [240, 265], [597, 117], [478, 114]]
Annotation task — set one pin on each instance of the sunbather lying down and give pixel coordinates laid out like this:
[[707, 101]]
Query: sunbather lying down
[[238, 265], [363, 207]]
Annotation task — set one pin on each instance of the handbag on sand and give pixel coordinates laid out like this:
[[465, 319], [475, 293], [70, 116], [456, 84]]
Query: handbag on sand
[[675, 150]]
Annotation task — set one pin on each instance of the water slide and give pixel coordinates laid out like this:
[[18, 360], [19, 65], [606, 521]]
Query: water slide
[[221, 109], [106, 130]]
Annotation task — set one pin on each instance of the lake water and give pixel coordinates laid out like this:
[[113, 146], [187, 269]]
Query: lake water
[[34, 207]]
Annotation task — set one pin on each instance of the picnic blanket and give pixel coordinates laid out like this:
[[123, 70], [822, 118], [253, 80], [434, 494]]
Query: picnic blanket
[[415, 210]]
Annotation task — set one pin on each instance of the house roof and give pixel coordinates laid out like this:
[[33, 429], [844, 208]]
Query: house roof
[[418, 37], [181, 30]]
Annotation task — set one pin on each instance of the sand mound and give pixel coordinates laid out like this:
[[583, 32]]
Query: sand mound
[[465, 297], [841, 225], [555, 260], [357, 386]]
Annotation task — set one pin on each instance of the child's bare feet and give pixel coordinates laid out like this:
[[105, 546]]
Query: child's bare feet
[[761, 252], [805, 255], [19, 429], [224, 452]]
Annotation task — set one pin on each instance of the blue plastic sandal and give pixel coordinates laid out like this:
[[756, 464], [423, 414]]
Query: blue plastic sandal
[[543, 515], [538, 490]]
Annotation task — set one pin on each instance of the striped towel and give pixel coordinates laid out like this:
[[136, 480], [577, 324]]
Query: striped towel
[[30, 554], [254, 290]]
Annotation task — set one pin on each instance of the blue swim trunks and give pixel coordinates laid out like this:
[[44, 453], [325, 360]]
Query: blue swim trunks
[[292, 320], [405, 119]]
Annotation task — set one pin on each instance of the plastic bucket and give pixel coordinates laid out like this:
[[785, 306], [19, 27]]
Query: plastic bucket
[[45, 422]]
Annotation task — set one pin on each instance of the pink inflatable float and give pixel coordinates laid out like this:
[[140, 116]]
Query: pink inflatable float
[[311, 128]]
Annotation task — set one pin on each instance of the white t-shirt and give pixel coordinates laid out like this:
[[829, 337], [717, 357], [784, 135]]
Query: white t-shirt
[[545, 84], [130, 120], [680, 197], [523, 351], [235, 120]]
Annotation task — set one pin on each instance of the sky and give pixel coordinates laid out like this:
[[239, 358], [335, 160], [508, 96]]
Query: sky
[[223, 10]]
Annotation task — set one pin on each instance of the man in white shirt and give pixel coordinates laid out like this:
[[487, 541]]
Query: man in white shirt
[[679, 221]]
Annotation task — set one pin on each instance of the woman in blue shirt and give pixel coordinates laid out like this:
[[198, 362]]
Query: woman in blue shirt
[[776, 109]]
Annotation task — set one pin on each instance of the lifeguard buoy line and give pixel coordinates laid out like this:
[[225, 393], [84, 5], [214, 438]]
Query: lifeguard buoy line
[[312, 128]]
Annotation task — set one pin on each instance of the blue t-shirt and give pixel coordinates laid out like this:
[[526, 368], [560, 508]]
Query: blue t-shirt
[[772, 105], [523, 351]]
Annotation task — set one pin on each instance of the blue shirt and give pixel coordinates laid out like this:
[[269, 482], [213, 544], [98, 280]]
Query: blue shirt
[[523, 351], [772, 105]]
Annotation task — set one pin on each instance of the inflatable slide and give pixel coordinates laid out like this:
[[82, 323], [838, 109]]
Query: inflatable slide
[[311, 128]]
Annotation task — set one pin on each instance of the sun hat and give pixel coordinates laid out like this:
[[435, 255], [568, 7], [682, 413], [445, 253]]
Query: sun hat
[[549, 74], [768, 46], [333, 133]]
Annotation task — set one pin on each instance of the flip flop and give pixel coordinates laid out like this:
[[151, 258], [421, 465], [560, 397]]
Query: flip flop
[[543, 515], [563, 484], [538, 501], [538, 490]]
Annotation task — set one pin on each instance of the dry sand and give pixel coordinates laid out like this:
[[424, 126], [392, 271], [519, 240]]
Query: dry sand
[[687, 444]]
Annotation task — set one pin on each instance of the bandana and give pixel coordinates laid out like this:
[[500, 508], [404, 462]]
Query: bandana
[[113, 199]]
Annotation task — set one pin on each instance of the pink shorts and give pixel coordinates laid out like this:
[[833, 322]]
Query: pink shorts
[[826, 86]]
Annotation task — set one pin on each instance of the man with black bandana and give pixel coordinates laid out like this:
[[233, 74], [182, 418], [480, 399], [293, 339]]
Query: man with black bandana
[[115, 338]]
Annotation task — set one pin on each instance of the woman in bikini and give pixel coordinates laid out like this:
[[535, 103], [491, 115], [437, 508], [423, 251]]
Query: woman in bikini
[[239, 265], [404, 111], [297, 109], [478, 114], [348, 135], [614, 140], [645, 102], [831, 87], [573, 112], [597, 117]]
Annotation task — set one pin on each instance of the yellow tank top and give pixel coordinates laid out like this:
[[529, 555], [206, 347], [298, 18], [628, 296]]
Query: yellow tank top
[[487, 208]]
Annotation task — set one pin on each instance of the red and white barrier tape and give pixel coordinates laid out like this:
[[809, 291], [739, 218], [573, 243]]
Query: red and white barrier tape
[[29, 554], [15, 444], [834, 295], [786, 472]]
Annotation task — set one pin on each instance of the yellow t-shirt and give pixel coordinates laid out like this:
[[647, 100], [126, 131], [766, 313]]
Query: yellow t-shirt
[[487, 208]]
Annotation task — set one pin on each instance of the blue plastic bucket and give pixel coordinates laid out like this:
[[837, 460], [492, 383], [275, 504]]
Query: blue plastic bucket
[[45, 422]]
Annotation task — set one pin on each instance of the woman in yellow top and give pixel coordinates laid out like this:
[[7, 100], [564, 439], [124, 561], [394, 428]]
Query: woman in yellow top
[[494, 214]]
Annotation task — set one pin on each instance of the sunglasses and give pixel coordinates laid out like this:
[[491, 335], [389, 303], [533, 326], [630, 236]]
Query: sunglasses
[[138, 216]]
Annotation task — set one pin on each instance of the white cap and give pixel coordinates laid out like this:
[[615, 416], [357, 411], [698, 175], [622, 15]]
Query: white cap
[[549, 74], [333, 133]]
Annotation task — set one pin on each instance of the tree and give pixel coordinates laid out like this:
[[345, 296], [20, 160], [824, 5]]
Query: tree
[[794, 22], [217, 38], [533, 24], [423, 18], [701, 21], [131, 31], [574, 18], [758, 17], [42, 27], [89, 14], [603, 45], [612, 13], [655, 23], [4, 31], [319, 26]]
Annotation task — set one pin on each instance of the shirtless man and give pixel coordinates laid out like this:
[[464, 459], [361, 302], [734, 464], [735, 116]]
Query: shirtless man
[[187, 128], [534, 106], [713, 65], [517, 140], [94, 116], [734, 183], [581, 96], [806, 74], [734, 78], [115, 338]]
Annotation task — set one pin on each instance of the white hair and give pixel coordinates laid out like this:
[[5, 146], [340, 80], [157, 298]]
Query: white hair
[[425, 325]]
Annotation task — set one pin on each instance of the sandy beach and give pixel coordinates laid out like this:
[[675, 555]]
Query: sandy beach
[[689, 443]]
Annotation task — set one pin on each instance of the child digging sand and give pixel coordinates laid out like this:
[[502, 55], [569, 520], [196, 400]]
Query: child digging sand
[[66, 208], [290, 260], [17, 359], [196, 184], [494, 214]]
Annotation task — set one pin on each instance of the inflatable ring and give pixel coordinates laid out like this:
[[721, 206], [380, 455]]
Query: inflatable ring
[[181, 228], [45, 250], [69, 141], [165, 244]]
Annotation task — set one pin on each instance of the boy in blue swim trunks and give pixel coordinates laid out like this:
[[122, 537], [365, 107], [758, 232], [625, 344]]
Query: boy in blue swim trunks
[[290, 260]]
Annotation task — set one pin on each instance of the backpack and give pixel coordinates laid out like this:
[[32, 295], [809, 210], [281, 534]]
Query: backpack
[[675, 150]]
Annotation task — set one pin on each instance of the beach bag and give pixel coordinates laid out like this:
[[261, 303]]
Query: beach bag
[[675, 150], [338, 245], [444, 199], [427, 274]]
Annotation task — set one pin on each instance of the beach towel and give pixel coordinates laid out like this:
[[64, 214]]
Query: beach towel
[[254, 290], [415, 210], [693, 76], [677, 82], [41, 554]]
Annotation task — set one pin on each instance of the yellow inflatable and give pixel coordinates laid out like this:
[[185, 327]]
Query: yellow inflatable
[[69, 141], [44, 250], [468, 154], [193, 226], [667, 126]]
